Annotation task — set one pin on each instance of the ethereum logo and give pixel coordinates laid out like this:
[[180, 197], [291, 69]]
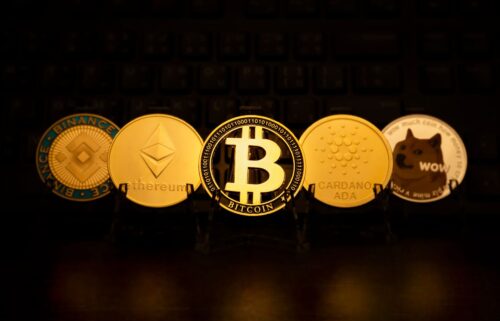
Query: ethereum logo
[[158, 151]]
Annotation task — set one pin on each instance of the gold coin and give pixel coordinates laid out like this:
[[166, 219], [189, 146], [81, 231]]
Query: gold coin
[[73, 153], [255, 162], [156, 155], [428, 154], [346, 156]]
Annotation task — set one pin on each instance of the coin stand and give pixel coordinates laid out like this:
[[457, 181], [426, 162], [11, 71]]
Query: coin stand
[[457, 194], [118, 224], [204, 227], [455, 205], [380, 203]]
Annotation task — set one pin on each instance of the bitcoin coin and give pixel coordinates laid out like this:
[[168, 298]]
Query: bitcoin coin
[[255, 163], [428, 154], [73, 154], [346, 156], [156, 155]]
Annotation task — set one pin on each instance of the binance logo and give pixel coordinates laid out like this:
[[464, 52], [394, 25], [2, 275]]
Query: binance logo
[[159, 151], [82, 150]]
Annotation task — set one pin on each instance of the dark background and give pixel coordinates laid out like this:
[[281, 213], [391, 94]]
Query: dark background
[[299, 60]]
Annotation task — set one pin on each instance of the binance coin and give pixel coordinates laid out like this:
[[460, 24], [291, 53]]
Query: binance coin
[[73, 155], [428, 154], [156, 155], [255, 163], [346, 156]]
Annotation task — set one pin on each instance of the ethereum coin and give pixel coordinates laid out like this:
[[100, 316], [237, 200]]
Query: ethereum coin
[[73, 154], [156, 155], [428, 155], [346, 156], [254, 163]]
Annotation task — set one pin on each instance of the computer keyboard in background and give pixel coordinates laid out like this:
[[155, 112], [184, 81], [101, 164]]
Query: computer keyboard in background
[[298, 59]]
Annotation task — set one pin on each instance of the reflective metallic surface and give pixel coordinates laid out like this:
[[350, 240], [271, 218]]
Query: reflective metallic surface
[[346, 157], [156, 156], [428, 155], [265, 165], [73, 154]]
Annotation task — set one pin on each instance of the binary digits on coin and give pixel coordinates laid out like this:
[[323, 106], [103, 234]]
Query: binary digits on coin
[[254, 163]]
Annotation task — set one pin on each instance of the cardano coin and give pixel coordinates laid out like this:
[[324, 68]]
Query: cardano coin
[[346, 157]]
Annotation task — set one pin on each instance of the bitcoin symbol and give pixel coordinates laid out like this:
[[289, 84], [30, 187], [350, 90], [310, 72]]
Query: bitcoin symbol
[[241, 194], [242, 164]]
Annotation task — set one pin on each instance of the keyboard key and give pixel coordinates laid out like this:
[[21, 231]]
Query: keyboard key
[[367, 44], [57, 108], [175, 78], [335, 106], [379, 112], [169, 8], [23, 111], [35, 44], [295, 115], [261, 8], [434, 7], [476, 77], [435, 45], [8, 43], [234, 46], [187, 109], [436, 79], [111, 108], [483, 146], [221, 109], [310, 45], [271, 45], [196, 45], [17, 77], [78, 44], [213, 79], [58, 77], [475, 45], [261, 106], [118, 44], [330, 79], [144, 105], [302, 8], [124, 7], [157, 45], [252, 79], [342, 8], [291, 79], [474, 8], [97, 77], [382, 8], [206, 8], [136, 78], [483, 181], [380, 78]]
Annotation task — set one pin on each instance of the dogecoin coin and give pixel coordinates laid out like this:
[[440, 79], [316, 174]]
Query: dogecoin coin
[[346, 156], [156, 155], [428, 153], [255, 163], [73, 154]]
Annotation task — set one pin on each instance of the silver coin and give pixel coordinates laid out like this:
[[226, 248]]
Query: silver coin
[[428, 154]]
